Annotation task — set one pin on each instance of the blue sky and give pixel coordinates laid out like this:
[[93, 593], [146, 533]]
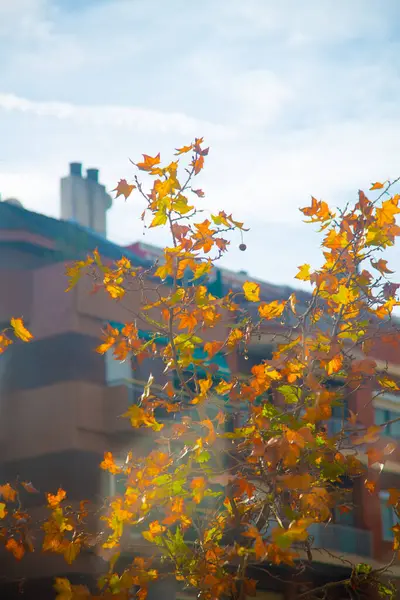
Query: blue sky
[[294, 98]]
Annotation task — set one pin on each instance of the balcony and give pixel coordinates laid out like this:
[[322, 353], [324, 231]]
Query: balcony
[[342, 538]]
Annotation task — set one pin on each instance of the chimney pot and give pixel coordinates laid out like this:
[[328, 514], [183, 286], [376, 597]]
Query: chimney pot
[[93, 175], [75, 168]]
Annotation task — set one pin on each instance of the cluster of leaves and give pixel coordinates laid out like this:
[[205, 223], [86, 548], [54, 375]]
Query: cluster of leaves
[[212, 501], [18, 329]]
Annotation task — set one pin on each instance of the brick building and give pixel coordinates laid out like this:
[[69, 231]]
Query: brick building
[[61, 401]]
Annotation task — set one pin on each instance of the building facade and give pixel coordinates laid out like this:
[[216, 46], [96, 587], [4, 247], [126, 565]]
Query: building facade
[[61, 401]]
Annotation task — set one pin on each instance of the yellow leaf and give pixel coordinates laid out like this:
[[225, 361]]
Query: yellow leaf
[[20, 330], [251, 291], [335, 364], [202, 269], [71, 551], [388, 383], [304, 273], [63, 588], [160, 218], [3, 510], [234, 337], [272, 310], [344, 296]]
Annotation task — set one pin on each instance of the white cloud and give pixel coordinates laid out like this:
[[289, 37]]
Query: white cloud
[[138, 118]]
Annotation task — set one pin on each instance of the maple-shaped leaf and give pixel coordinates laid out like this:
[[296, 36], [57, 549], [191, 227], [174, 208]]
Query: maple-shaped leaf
[[71, 551], [108, 464], [376, 186], [8, 493], [20, 331], [16, 548], [198, 485], [251, 291], [183, 150], [388, 383], [124, 189], [385, 214], [381, 266], [198, 164], [148, 162], [304, 273], [271, 310], [54, 500]]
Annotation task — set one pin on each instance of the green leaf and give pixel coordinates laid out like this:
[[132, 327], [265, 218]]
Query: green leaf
[[291, 393], [363, 569], [203, 457]]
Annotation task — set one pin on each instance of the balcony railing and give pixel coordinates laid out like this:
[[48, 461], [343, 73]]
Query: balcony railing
[[342, 538]]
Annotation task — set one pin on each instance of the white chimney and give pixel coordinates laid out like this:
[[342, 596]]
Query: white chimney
[[84, 200]]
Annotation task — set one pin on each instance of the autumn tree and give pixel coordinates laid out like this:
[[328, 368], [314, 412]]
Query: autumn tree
[[241, 469]]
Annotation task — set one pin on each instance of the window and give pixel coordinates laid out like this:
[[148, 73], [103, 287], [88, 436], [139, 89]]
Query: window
[[117, 372], [383, 415], [388, 518]]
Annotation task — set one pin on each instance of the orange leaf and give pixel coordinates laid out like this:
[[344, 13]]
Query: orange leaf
[[394, 497], [55, 499], [211, 437], [371, 436], [370, 485], [16, 548], [4, 342], [198, 485], [183, 150], [149, 162], [380, 265], [124, 188], [8, 493], [374, 456], [335, 364], [352, 417], [108, 464], [376, 186], [20, 330], [198, 164]]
